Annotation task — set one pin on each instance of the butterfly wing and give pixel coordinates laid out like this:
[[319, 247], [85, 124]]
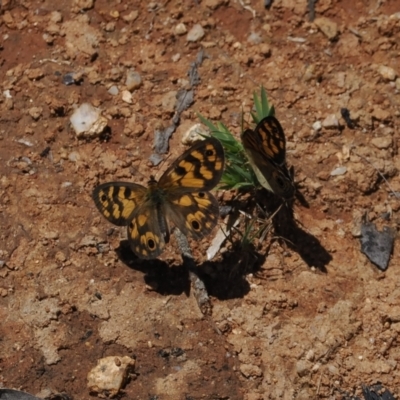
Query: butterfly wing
[[132, 205], [193, 213], [266, 151], [189, 205], [198, 169], [148, 231], [117, 201]]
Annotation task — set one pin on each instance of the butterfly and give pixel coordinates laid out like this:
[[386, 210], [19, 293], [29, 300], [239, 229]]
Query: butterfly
[[181, 197], [265, 148]]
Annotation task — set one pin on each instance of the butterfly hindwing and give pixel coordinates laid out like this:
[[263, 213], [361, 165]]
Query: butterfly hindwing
[[147, 233], [193, 214]]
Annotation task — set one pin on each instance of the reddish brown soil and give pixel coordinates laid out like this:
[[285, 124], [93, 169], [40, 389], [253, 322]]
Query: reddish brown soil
[[313, 319]]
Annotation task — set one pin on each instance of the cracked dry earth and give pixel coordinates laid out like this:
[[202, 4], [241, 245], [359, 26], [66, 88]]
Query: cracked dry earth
[[315, 319]]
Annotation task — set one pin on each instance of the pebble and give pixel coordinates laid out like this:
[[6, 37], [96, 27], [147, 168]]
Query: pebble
[[127, 96], [254, 38], [382, 142], [176, 57], [74, 156], [113, 90], [193, 134], [328, 27], [265, 50], [339, 171], [317, 125], [133, 80], [330, 121], [7, 94], [26, 142], [109, 375], [195, 34], [68, 79], [387, 73], [132, 16], [180, 29], [380, 114], [84, 4], [169, 101], [35, 112], [87, 121]]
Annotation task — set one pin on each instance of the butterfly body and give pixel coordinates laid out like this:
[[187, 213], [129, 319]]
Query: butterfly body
[[181, 198], [266, 150]]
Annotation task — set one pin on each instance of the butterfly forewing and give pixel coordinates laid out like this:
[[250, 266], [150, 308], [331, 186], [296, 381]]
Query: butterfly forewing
[[198, 169], [117, 201]]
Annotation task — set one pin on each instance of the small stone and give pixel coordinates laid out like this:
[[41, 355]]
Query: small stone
[[60, 256], [214, 4], [387, 73], [310, 73], [317, 125], [398, 84], [195, 34], [110, 26], [180, 29], [127, 96], [114, 14], [83, 4], [265, 50], [302, 368], [56, 17], [133, 128], [331, 121], [382, 142], [34, 74], [250, 371], [254, 38], [176, 57], [169, 101], [35, 112], [88, 121], [109, 375], [113, 90], [51, 235], [339, 171], [74, 156], [133, 80], [49, 39], [132, 16], [193, 134], [380, 115], [328, 27]]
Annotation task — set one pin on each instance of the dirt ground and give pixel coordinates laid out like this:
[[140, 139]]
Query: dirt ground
[[315, 319]]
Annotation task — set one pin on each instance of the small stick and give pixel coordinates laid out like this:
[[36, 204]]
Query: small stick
[[311, 10], [199, 289]]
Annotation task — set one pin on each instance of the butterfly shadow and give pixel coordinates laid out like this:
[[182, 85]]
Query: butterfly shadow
[[304, 243], [162, 278], [226, 279]]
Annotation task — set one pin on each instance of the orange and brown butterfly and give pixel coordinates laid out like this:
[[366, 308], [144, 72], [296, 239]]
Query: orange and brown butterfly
[[181, 197], [265, 147]]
